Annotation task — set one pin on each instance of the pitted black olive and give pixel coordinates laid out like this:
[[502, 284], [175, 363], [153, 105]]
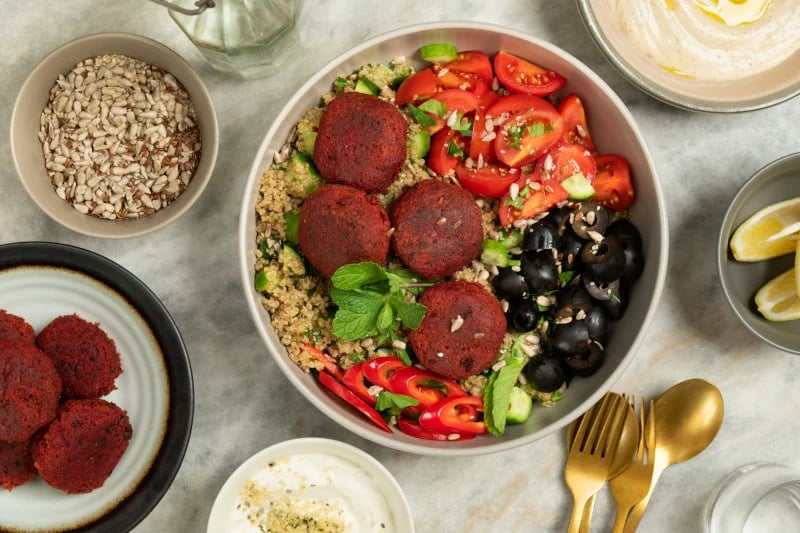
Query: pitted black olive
[[574, 295], [596, 320], [626, 233], [570, 338], [545, 372], [509, 285], [617, 303], [587, 363], [590, 217], [603, 260], [600, 290], [559, 218], [522, 315], [540, 271], [540, 236], [634, 265], [569, 250]]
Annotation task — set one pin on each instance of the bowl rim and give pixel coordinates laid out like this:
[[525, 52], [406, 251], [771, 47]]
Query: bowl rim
[[287, 366], [120, 229], [659, 92]]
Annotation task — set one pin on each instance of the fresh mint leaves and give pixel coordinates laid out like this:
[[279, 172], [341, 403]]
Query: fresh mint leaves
[[394, 403], [497, 394]]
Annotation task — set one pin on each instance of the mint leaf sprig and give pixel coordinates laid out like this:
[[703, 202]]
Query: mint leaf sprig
[[371, 301]]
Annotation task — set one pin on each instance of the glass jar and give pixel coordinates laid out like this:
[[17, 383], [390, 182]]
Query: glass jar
[[251, 38]]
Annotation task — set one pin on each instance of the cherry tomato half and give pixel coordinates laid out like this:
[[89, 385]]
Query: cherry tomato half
[[442, 145], [354, 380], [563, 160], [409, 427], [419, 86], [489, 180], [451, 79], [612, 184], [330, 383], [426, 387], [326, 360], [526, 135], [478, 147], [458, 100], [380, 369], [459, 414], [535, 197], [521, 76], [472, 62], [576, 129]]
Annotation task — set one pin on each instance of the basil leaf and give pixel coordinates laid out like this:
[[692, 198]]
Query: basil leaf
[[434, 106], [356, 275], [410, 313], [391, 400], [385, 320], [353, 325], [420, 116]]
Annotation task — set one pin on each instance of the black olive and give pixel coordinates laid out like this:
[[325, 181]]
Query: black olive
[[509, 285], [590, 217], [540, 236], [574, 295], [545, 372], [540, 271], [604, 260], [570, 250], [522, 315], [600, 290], [587, 363], [627, 234], [559, 218], [617, 303], [571, 338], [597, 324], [634, 265]]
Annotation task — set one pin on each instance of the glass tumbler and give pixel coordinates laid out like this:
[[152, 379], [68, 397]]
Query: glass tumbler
[[760, 497], [251, 38]]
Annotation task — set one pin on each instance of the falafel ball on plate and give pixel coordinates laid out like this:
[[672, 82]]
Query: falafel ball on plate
[[15, 328], [29, 390], [462, 331], [82, 446], [361, 142], [438, 228], [16, 464], [340, 225], [85, 357]]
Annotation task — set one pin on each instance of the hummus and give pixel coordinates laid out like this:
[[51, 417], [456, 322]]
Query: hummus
[[712, 40]]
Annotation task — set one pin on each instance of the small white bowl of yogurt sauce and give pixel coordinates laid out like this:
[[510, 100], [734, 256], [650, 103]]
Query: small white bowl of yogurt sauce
[[314, 483], [705, 55]]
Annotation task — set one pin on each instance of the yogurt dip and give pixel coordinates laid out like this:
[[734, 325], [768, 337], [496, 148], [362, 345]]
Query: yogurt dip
[[711, 40], [315, 492]]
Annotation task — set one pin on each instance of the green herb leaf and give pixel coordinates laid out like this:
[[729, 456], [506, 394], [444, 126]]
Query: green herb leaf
[[394, 402], [463, 125], [357, 275], [399, 277], [357, 300], [410, 313], [420, 116], [556, 396], [565, 277], [454, 150], [385, 319], [400, 352], [341, 82], [354, 325], [434, 106], [498, 394], [614, 296], [434, 384], [514, 136]]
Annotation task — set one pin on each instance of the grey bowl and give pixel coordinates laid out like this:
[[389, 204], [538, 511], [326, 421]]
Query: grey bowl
[[778, 181]]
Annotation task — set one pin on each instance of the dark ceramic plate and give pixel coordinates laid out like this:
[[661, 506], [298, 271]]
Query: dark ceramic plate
[[40, 281]]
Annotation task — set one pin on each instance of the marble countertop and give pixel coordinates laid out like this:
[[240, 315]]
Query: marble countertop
[[243, 402]]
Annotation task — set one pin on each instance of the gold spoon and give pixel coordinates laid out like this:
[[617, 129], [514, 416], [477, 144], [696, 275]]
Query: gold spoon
[[687, 418], [622, 458]]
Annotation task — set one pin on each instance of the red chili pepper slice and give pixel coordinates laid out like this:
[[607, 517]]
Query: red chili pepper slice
[[379, 370], [409, 427], [330, 383], [354, 379], [426, 387], [326, 360], [457, 414]]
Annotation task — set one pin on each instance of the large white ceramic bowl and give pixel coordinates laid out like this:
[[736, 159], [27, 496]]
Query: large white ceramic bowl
[[614, 131]]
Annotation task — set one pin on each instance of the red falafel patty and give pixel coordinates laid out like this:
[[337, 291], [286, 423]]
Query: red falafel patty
[[16, 464], [85, 357], [82, 446], [438, 228], [462, 330], [340, 225], [15, 328], [361, 142], [29, 390]]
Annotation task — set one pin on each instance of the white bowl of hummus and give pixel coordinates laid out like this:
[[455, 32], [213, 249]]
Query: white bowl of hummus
[[704, 55], [314, 483]]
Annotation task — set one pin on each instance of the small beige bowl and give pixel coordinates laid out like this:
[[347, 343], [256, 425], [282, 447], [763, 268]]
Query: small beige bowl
[[730, 96], [27, 149]]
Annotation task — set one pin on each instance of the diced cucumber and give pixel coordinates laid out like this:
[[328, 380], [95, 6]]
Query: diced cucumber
[[308, 136], [419, 144], [292, 260], [292, 221], [267, 279], [364, 85], [578, 187], [302, 176], [519, 406], [512, 239], [438, 53], [496, 253]]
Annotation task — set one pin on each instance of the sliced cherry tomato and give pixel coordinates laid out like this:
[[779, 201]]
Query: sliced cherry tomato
[[458, 100], [422, 385], [472, 62], [489, 180], [419, 86], [439, 158], [521, 76], [451, 79], [329, 364], [480, 144], [409, 427], [534, 197], [330, 383], [612, 185], [576, 129], [354, 380], [380, 369], [528, 134], [563, 160], [459, 414], [487, 99], [513, 104]]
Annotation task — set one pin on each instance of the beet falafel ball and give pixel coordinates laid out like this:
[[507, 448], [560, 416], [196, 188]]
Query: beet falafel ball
[[82, 446], [438, 228], [29, 390], [361, 142], [85, 357], [16, 464], [462, 330], [340, 225], [15, 328]]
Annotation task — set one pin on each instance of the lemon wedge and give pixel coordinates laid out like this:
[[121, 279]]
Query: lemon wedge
[[778, 299], [770, 232]]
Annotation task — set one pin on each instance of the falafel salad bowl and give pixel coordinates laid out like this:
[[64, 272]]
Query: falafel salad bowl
[[452, 239]]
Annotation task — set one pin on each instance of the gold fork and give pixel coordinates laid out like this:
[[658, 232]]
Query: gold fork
[[633, 484], [591, 452]]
